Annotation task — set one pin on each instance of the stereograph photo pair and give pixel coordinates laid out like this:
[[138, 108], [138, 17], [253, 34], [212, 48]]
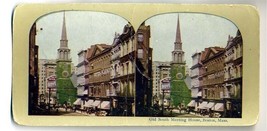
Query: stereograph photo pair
[[135, 65]]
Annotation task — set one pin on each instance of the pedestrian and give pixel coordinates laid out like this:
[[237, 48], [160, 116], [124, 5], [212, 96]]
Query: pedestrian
[[65, 106], [74, 109]]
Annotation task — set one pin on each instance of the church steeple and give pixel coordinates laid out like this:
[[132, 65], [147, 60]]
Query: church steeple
[[64, 40], [64, 51], [178, 53], [64, 32], [178, 41]]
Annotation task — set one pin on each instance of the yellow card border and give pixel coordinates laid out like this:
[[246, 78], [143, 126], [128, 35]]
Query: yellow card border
[[244, 16]]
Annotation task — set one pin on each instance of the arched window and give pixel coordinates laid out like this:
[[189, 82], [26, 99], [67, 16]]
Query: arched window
[[175, 57], [179, 57], [61, 54], [229, 72], [66, 55], [115, 69]]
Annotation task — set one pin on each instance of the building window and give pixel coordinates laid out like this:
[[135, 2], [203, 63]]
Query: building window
[[140, 53], [127, 68], [140, 38]]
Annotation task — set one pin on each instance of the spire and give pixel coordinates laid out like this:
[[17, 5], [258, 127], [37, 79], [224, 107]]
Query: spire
[[64, 40], [178, 53], [64, 51], [178, 33], [64, 32]]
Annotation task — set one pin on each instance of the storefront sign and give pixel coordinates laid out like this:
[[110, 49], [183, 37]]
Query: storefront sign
[[165, 84], [51, 83]]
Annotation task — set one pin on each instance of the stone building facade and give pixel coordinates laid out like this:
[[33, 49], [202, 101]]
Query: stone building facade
[[160, 70], [127, 56], [115, 67], [196, 91], [233, 76], [50, 71], [82, 88]]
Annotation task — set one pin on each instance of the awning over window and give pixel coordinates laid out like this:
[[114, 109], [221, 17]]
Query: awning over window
[[202, 105], [96, 103], [85, 92], [104, 105], [210, 105], [78, 102], [192, 103], [219, 107], [89, 103]]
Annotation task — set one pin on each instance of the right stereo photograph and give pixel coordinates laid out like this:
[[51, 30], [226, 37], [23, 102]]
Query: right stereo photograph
[[188, 65]]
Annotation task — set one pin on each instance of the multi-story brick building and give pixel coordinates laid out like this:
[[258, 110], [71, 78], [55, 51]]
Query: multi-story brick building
[[233, 76], [143, 67], [212, 76], [99, 75], [110, 72]]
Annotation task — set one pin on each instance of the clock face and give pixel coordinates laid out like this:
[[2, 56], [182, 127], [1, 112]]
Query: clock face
[[65, 73], [179, 76]]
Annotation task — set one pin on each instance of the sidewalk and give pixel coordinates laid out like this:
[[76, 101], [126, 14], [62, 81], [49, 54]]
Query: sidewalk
[[178, 113], [62, 111]]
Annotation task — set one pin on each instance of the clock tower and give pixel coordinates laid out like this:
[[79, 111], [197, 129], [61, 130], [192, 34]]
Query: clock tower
[[66, 93], [180, 93]]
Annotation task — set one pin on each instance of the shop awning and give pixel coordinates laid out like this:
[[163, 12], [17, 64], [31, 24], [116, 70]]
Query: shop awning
[[78, 102], [219, 107], [85, 92], [210, 105], [96, 103], [89, 103], [203, 105], [192, 103], [104, 105]]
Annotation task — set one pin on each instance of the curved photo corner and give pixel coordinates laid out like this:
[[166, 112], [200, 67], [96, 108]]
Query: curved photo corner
[[189, 65]]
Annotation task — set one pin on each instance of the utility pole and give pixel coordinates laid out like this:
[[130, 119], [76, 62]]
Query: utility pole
[[49, 95], [163, 93]]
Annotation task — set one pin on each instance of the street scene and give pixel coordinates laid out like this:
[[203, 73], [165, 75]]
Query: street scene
[[93, 64], [196, 66]]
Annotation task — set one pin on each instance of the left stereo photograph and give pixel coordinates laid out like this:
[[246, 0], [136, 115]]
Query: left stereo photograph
[[81, 63]]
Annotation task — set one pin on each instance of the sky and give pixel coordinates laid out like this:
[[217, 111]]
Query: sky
[[198, 31], [84, 28]]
